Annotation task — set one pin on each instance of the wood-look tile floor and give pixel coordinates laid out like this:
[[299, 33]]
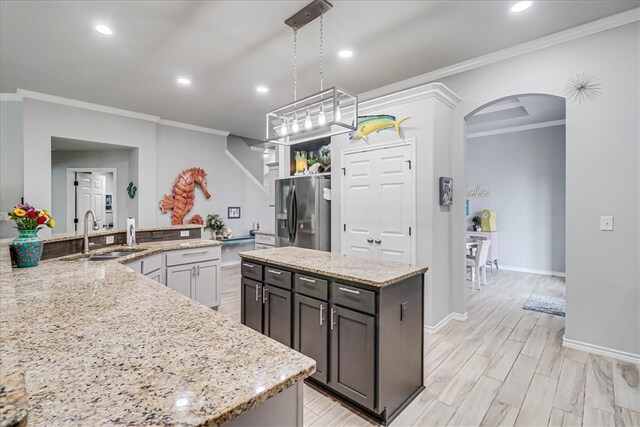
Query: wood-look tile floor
[[504, 366]]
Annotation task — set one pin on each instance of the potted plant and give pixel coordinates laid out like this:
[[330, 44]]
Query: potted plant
[[476, 223], [27, 247], [215, 223]]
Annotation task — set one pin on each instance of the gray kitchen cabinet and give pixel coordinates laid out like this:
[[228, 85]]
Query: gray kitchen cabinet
[[251, 304], [198, 281], [155, 275], [180, 278], [367, 341], [353, 355], [310, 335], [277, 314]]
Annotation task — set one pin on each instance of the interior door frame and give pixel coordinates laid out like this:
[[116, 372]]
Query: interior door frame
[[71, 193], [411, 143]]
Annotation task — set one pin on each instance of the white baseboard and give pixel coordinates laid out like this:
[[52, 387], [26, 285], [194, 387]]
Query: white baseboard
[[441, 324], [603, 351], [534, 271], [230, 263]]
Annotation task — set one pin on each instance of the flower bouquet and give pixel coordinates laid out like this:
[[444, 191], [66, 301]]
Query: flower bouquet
[[27, 246]]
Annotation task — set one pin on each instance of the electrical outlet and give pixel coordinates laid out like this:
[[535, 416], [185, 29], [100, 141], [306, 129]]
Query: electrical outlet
[[184, 233], [606, 223], [4, 216], [109, 240]]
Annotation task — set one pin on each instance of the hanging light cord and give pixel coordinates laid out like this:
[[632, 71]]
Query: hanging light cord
[[295, 64], [321, 49]]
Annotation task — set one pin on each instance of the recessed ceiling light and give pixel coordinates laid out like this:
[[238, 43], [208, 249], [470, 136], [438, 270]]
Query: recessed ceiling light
[[345, 54], [184, 81], [262, 89], [520, 6], [103, 29]]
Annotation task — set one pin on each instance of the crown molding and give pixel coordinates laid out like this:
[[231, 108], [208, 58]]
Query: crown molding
[[192, 127], [584, 30], [10, 97], [431, 90], [511, 129], [27, 94]]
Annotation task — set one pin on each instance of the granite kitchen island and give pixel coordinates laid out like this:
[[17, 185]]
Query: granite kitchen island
[[95, 343], [360, 319]]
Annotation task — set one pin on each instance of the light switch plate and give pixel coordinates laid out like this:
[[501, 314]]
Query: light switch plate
[[184, 233], [606, 223], [109, 240]]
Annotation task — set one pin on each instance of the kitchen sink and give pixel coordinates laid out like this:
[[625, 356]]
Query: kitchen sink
[[109, 255]]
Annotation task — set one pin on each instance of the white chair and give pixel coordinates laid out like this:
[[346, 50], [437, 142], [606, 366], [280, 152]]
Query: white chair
[[479, 262]]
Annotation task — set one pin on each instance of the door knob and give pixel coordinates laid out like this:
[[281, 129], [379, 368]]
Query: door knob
[[378, 241], [369, 240]]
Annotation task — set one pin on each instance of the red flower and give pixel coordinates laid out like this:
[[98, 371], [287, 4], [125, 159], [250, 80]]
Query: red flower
[[31, 214], [42, 219]]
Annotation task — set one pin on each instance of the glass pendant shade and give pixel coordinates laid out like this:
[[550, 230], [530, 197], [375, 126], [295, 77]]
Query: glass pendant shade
[[330, 112]]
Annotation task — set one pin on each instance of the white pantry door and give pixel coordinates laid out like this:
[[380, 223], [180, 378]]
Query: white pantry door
[[90, 195], [378, 203]]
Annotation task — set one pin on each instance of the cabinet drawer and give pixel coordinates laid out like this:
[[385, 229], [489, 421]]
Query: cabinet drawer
[[277, 277], [251, 270], [265, 240], [311, 286], [189, 256], [355, 298], [151, 263]]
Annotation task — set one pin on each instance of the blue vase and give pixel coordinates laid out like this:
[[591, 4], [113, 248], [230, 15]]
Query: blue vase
[[27, 248]]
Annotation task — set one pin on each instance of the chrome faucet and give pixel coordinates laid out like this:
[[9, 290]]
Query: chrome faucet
[[132, 233], [85, 246]]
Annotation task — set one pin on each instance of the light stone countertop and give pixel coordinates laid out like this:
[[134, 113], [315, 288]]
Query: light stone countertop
[[95, 343], [346, 267]]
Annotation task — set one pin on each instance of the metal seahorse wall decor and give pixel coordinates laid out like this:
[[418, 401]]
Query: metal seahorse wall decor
[[181, 201]]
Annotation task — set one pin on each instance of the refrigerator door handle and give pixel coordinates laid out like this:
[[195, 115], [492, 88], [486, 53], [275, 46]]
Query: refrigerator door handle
[[290, 213], [294, 214]]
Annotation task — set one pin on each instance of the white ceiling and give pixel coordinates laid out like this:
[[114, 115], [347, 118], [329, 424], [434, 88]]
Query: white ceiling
[[229, 47], [516, 112]]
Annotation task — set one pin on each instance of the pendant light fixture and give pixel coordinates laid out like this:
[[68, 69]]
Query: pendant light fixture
[[324, 114]]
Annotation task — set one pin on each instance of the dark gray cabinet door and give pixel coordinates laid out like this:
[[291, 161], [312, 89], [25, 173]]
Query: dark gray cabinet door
[[310, 332], [251, 307], [352, 370], [277, 314]]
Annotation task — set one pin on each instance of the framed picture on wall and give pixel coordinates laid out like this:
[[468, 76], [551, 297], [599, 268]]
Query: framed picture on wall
[[446, 191], [108, 202], [233, 212]]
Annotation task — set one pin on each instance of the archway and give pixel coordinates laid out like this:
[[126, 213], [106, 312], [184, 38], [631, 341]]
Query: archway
[[514, 165]]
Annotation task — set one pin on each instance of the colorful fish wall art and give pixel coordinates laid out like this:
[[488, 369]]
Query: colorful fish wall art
[[370, 124]]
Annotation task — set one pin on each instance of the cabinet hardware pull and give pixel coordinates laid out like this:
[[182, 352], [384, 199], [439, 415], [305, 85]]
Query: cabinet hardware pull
[[257, 292], [264, 295], [198, 270], [248, 265], [193, 271], [378, 241], [403, 311], [275, 272], [304, 279], [351, 291], [194, 253], [321, 316], [369, 240], [332, 321]]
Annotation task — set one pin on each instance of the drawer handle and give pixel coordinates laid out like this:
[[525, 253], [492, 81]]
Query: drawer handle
[[332, 321], [248, 265], [275, 272], [264, 295], [194, 253], [351, 291], [257, 292], [304, 279]]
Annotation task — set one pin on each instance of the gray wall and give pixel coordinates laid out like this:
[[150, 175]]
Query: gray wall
[[11, 188], [117, 159], [525, 173], [603, 176], [251, 159], [180, 149]]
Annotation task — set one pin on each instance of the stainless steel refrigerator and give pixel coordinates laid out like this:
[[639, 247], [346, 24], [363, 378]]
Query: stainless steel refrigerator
[[303, 213]]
